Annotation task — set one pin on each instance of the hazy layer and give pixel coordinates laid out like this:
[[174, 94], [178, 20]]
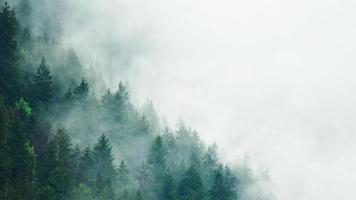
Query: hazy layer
[[273, 79]]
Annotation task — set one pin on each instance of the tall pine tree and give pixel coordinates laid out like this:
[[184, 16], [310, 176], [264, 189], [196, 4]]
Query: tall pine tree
[[9, 73]]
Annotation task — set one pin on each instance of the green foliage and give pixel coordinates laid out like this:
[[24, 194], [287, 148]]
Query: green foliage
[[23, 106]]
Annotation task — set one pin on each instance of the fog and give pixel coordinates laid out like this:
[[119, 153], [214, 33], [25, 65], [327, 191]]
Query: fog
[[271, 79]]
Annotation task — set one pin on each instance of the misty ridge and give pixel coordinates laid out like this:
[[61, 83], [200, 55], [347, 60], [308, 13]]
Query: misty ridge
[[65, 135]]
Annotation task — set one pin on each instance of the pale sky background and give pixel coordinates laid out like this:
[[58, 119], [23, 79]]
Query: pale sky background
[[275, 79]]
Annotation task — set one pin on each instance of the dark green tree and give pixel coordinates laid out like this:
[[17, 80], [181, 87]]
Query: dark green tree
[[82, 90], [6, 118], [45, 170], [103, 160], [103, 188], [218, 190], [64, 171], [191, 186], [224, 185], [157, 156], [42, 83], [9, 72], [169, 189], [86, 167]]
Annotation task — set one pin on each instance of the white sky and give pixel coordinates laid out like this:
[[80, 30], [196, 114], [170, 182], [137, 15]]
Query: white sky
[[274, 79]]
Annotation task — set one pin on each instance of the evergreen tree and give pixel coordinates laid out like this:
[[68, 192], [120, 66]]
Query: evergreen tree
[[123, 175], [103, 188], [218, 190], [191, 186], [143, 177], [64, 171], [224, 185], [43, 83], [169, 190], [103, 160], [19, 154], [6, 118], [82, 90], [9, 73], [210, 164], [231, 184], [46, 168], [86, 166], [157, 156]]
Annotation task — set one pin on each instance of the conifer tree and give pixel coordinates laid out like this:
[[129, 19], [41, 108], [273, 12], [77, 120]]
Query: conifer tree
[[169, 190], [45, 171], [123, 175], [6, 118], [86, 167], [103, 160], [43, 83], [157, 158], [191, 186], [218, 190], [9, 73], [82, 90], [64, 171]]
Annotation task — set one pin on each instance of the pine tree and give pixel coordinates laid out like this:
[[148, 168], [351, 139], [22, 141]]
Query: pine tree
[[210, 165], [218, 190], [82, 90], [157, 156], [169, 190], [224, 185], [9, 73], [5, 157], [18, 156], [86, 167], [123, 175], [77, 155], [231, 184], [45, 171], [103, 160], [103, 188], [191, 186], [43, 83], [143, 177], [64, 171]]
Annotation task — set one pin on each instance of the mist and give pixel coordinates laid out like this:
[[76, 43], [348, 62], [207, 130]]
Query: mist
[[272, 80]]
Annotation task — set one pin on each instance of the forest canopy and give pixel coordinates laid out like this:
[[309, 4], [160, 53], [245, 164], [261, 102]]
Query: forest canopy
[[60, 139]]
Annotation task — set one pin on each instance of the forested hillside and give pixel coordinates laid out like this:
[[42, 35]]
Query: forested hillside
[[60, 139]]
